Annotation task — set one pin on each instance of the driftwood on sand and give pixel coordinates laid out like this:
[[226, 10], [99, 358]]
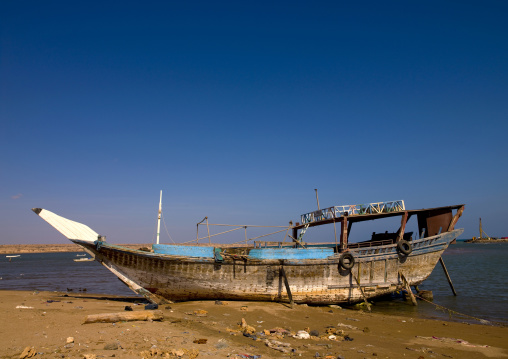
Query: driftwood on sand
[[125, 316]]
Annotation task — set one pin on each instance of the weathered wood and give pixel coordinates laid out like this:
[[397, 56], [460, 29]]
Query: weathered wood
[[402, 228], [447, 276], [343, 233], [408, 288], [455, 219], [361, 290], [155, 315], [286, 283], [316, 274], [349, 224]]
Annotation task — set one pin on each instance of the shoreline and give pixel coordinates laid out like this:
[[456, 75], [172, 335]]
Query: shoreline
[[50, 248], [486, 241], [52, 323]]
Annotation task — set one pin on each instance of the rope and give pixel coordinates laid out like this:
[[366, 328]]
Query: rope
[[154, 234], [164, 222], [239, 225], [451, 311], [264, 235]]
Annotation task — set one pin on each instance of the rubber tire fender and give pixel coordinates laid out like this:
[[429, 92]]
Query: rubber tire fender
[[404, 247], [347, 260]]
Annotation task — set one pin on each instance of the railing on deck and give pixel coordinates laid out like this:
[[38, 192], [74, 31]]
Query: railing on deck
[[352, 210]]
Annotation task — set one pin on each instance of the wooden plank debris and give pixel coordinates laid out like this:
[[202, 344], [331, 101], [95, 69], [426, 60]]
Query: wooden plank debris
[[155, 315]]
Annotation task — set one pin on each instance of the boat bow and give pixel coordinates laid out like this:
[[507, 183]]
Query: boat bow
[[70, 229]]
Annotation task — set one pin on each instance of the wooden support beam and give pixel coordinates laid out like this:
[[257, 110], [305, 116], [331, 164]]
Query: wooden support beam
[[447, 276], [286, 283], [361, 291], [343, 233], [455, 219], [402, 228], [349, 228], [408, 288]]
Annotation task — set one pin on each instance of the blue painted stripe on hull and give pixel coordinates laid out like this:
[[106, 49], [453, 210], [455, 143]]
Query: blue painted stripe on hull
[[187, 251], [291, 253]]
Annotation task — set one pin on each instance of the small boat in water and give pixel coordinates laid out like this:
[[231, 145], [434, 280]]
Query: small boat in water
[[12, 256], [287, 270]]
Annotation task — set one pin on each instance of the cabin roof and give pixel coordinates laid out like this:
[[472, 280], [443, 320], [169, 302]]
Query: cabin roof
[[372, 216]]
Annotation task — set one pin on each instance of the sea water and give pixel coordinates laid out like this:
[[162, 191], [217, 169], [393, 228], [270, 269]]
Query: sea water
[[478, 272], [58, 272]]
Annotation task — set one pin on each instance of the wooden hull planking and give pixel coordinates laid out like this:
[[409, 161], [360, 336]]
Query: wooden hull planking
[[313, 281]]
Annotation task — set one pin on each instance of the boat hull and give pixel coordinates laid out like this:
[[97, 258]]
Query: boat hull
[[377, 269]]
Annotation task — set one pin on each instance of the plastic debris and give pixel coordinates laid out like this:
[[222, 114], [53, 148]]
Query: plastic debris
[[302, 334]]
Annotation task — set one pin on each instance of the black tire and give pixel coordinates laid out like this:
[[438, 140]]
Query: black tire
[[347, 260], [404, 247]]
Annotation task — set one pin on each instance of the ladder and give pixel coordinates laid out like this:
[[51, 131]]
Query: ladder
[[302, 232]]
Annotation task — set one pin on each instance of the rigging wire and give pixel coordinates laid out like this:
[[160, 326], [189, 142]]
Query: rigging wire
[[164, 222]]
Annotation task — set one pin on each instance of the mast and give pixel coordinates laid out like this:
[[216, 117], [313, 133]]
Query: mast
[[317, 199], [481, 234], [159, 218]]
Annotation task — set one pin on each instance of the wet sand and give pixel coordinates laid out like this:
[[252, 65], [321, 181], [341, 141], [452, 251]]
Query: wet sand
[[52, 323]]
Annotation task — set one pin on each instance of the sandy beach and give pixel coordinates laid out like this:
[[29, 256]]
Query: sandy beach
[[51, 325]]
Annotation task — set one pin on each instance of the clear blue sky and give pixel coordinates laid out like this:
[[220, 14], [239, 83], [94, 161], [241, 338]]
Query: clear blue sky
[[238, 110]]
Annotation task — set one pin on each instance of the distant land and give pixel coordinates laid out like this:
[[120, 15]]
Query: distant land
[[50, 248]]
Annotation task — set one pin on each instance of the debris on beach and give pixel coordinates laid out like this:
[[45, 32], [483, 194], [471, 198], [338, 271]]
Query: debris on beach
[[245, 328], [244, 356], [173, 353], [302, 334], [29, 352], [453, 341], [111, 346], [220, 302], [155, 315], [347, 326], [280, 346], [200, 313]]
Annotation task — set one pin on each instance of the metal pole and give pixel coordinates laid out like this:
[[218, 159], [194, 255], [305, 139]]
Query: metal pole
[[208, 229], [159, 218], [317, 198], [447, 276]]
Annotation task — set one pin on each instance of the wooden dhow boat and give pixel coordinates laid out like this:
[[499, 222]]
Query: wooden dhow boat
[[288, 271]]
